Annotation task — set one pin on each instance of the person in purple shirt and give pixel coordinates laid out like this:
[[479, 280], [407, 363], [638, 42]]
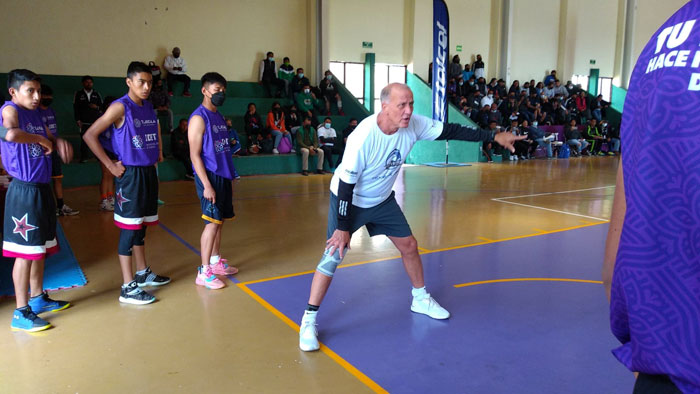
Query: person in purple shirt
[[210, 153], [651, 268], [137, 146], [49, 117], [30, 210]]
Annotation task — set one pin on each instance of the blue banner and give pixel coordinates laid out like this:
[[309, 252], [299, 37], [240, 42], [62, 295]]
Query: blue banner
[[441, 43]]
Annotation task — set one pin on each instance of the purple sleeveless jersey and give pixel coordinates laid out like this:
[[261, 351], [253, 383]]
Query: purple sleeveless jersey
[[48, 116], [655, 306], [136, 142], [27, 162], [216, 151]]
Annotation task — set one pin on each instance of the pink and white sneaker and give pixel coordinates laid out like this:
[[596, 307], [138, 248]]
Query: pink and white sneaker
[[221, 268], [207, 279]]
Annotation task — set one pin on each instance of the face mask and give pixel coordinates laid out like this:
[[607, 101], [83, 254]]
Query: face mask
[[569, 86], [217, 99], [534, 124], [300, 75], [494, 110], [471, 83], [176, 56], [307, 91], [327, 125], [329, 77], [46, 102], [490, 95], [461, 83], [272, 59]]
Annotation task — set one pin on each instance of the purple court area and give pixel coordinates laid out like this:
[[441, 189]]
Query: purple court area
[[517, 337]]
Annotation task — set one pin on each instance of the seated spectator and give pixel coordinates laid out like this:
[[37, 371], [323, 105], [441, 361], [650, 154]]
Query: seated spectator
[[604, 128], [455, 68], [501, 89], [275, 123], [550, 78], [598, 107], [233, 139], [515, 88], [508, 106], [161, 103], [307, 103], [467, 73], [538, 135], [481, 86], [286, 74], [177, 71], [451, 90], [549, 91], [307, 144], [533, 87], [582, 107], [352, 124], [469, 88], [570, 88], [613, 136], [560, 115], [560, 90], [539, 88], [495, 115], [327, 138], [329, 91], [253, 129], [487, 146], [268, 75], [299, 81], [180, 147], [575, 139], [482, 118], [594, 137], [538, 115], [292, 119], [513, 129], [488, 99], [155, 71], [474, 100]]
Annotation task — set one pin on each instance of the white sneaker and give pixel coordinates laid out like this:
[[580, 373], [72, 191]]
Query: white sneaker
[[275, 151], [68, 211], [510, 158], [308, 334], [105, 205], [516, 158], [428, 306], [293, 151]]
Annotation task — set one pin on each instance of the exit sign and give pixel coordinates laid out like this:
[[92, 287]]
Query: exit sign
[[592, 61], [459, 48], [367, 44]]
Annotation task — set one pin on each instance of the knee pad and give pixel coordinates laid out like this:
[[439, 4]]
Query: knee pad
[[329, 263], [140, 237]]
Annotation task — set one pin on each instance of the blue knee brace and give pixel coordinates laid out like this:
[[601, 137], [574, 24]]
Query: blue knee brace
[[328, 263]]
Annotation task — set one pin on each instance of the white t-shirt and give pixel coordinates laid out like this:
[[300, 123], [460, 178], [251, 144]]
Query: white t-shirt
[[372, 159], [326, 133]]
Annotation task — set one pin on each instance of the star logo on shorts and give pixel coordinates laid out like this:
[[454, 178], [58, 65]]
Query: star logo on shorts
[[120, 199], [22, 227]]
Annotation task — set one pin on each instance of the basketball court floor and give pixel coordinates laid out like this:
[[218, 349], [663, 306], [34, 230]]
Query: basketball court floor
[[512, 250]]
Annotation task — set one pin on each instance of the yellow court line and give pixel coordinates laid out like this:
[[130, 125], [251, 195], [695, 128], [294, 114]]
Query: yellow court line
[[529, 280], [539, 230], [424, 250], [485, 242], [485, 239], [585, 221], [325, 349]]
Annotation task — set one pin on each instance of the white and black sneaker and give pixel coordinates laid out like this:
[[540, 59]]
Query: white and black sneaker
[[308, 335], [132, 294], [149, 278]]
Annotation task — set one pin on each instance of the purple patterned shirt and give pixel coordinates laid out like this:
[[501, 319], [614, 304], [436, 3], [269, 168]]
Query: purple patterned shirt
[[48, 116], [655, 305], [216, 151], [26, 162], [136, 142]]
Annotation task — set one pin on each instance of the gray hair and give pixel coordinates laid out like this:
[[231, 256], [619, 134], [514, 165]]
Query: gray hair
[[386, 92]]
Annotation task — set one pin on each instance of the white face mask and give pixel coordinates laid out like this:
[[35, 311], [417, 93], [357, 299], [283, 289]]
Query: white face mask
[[307, 91], [534, 124], [490, 95]]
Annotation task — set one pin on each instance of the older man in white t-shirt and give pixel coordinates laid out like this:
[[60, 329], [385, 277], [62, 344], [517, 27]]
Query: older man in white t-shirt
[[362, 196], [177, 71]]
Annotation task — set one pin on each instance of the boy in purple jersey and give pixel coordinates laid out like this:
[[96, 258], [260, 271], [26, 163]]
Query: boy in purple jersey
[[30, 212], [136, 143], [49, 117], [651, 268], [210, 153]]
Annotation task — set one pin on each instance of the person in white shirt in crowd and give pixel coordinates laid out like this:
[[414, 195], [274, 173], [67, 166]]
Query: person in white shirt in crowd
[[361, 195], [327, 139], [177, 71], [488, 99]]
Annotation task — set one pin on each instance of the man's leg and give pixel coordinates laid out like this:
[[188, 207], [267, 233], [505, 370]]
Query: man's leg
[[304, 161], [205, 276], [186, 80], [319, 162], [170, 79], [23, 317], [21, 278]]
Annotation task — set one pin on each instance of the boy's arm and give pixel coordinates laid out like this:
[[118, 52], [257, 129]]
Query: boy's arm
[[195, 135], [160, 146], [12, 132], [113, 115]]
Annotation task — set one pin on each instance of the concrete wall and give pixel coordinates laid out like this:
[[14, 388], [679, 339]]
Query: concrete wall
[[534, 39]]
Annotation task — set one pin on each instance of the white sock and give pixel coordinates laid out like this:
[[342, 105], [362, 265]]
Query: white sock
[[214, 259], [419, 292], [143, 271]]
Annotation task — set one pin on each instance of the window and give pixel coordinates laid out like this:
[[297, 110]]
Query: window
[[580, 80], [352, 75], [605, 87]]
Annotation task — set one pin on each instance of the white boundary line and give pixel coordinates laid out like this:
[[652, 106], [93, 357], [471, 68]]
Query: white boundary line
[[501, 199]]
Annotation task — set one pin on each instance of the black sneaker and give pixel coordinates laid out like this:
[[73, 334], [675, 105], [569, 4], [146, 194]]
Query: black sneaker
[[320, 172], [149, 278], [132, 294]]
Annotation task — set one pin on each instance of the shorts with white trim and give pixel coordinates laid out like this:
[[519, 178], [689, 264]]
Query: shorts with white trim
[[385, 218], [136, 198], [222, 209], [30, 221]]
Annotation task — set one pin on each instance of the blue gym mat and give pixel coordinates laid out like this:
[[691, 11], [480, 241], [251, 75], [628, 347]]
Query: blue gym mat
[[61, 272]]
